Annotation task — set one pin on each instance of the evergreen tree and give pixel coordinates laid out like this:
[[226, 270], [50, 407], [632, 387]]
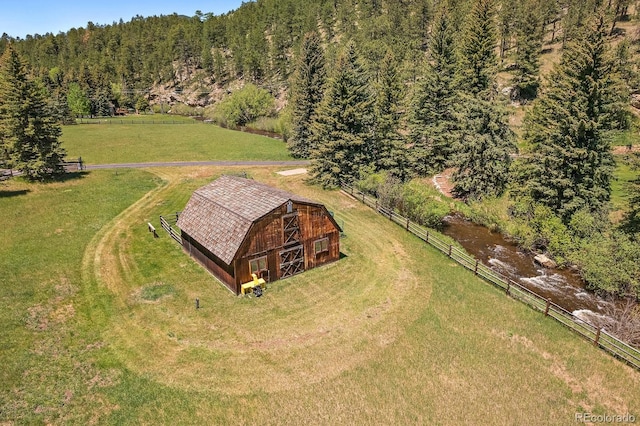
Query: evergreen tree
[[307, 88], [485, 144], [485, 141], [432, 123], [390, 154], [529, 47], [572, 164], [343, 130], [28, 129], [477, 52]]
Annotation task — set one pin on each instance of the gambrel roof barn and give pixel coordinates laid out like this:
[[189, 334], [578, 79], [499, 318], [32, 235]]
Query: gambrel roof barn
[[237, 227]]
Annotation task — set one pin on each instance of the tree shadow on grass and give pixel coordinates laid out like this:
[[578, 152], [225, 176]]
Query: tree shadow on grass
[[8, 194], [65, 177]]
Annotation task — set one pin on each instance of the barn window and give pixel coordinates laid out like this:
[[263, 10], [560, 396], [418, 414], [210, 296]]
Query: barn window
[[321, 246], [258, 265]]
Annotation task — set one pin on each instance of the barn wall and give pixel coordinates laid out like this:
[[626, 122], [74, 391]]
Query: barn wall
[[212, 263], [266, 238]]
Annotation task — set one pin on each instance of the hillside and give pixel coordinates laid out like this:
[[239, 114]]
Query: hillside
[[196, 61]]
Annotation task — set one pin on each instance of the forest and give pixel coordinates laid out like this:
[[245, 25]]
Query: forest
[[521, 99]]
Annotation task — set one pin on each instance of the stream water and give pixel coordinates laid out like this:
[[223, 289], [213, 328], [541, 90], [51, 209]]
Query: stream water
[[564, 287]]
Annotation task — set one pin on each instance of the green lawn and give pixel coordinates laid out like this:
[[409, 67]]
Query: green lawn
[[99, 324], [623, 174], [127, 143]]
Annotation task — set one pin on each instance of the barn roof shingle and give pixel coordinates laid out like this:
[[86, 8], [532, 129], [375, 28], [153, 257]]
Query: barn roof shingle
[[220, 214]]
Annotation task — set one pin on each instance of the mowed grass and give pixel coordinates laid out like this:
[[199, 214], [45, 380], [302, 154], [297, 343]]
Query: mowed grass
[[129, 143], [105, 330], [622, 177]]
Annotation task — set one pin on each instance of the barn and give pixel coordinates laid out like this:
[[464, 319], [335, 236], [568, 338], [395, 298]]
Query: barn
[[236, 227]]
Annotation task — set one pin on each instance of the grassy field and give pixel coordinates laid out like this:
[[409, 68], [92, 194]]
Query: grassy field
[[127, 143], [99, 324]]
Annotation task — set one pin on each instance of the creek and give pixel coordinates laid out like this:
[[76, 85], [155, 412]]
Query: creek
[[563, 287]]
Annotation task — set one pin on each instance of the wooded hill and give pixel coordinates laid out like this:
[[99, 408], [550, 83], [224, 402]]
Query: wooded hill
[[190, 59]]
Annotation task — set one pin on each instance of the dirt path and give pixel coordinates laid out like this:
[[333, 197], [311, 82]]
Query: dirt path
[[619, 150], [442, 182]]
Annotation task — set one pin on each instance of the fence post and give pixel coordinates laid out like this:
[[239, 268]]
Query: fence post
[[376, 204], [407, 224], [546, 310], [508, 287], [595, 342], [475, 269], [427, 239], [363, 198], [450, 250]]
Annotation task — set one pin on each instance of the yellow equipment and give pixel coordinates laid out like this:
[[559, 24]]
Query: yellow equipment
[[257, 282]]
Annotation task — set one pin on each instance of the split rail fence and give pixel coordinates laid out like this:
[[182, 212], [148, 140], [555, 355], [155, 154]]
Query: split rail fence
[[167, 222], [130, 121], [598, 336]]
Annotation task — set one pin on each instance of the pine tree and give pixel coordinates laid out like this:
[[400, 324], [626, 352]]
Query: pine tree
[[572, 164], [486, 143], [343, 129], [432, 123], [477, 53], [529, 47], [390, 154], [482, 157], [307, 89], [28, 129]]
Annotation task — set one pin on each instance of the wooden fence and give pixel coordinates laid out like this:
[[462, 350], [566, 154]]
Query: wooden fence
[[167, 222], [130, 121], [71, 165], [5, 174], [598, 336]]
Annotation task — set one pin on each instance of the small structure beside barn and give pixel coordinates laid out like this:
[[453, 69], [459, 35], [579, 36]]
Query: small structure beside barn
[[236, 227]]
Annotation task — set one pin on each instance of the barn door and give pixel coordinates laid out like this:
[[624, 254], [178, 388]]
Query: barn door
[[291, 228], [291, 261]]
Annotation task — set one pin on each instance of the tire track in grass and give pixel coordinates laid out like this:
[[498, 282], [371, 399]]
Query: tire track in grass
[[348, 325]]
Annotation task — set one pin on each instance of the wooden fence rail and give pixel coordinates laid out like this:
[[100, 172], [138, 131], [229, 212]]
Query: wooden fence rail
[[598, 336], [167, 223], [130, 121]]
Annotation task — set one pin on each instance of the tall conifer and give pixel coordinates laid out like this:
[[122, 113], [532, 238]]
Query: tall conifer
[[529, 36], [307, 88], [28, 129], [572, 164], [343, 130], [477, 53], [390, 154], [485, 140], [432, 123]]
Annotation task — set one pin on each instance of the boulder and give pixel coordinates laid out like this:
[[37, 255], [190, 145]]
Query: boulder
[[543, 260]]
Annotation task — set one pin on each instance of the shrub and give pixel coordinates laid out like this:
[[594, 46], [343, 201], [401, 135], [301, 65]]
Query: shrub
[[245, 105], [423, 204], [609, 263]]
